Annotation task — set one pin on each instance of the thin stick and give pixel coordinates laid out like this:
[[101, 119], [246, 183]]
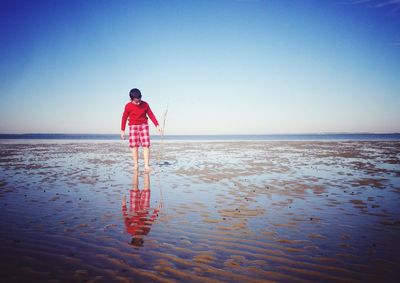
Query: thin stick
[[160, 154], [161, 150]]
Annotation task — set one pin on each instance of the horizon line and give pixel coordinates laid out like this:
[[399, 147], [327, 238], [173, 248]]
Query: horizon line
[[265, 134]]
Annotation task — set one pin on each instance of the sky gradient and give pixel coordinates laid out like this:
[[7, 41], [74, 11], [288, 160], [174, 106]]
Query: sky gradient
[[221, 66]]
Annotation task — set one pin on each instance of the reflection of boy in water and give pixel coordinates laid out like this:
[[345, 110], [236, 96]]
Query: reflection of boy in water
[[137, 219]]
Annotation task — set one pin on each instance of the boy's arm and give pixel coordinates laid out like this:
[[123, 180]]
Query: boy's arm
[[154, 216], [123, 121], [124, 209], [153, 118]]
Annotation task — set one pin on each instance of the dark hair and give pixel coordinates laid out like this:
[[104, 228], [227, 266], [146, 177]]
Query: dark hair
[[135, 93]]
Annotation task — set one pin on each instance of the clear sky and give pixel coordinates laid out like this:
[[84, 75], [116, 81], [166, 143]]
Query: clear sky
[[222, 66]]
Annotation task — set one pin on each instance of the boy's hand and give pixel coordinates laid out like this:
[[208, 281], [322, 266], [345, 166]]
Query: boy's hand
[[122, 135], [160, 130]]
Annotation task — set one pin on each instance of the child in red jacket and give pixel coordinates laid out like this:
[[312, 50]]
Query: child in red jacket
[[137, 111]]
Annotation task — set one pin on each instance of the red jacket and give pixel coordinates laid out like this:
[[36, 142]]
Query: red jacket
[[137, 114]]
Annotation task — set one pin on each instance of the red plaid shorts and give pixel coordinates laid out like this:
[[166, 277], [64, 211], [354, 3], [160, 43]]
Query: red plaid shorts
[[139, 136], [139, 200]]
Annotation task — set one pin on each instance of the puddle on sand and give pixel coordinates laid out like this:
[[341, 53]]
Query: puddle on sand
[[219, 211]]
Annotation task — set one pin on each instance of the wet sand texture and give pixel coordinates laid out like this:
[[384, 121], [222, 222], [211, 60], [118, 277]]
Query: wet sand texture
[[218, 212]]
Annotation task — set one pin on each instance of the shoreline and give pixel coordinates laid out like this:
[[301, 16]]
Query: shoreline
[[175, 138], [159, 141]]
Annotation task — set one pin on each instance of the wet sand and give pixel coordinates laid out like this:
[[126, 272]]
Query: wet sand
[[216, 212]]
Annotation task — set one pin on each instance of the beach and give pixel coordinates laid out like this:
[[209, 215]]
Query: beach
[[220, 211]]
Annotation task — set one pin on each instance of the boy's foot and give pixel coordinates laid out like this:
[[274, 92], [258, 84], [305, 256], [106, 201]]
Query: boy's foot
[[135, 167], [147, 169]]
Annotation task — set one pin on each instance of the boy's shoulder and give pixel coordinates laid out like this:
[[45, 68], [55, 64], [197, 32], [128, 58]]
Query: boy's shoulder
[[145, 104], [130, 104]]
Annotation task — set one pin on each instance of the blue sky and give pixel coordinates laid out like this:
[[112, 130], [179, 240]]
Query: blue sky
[[221, 66]]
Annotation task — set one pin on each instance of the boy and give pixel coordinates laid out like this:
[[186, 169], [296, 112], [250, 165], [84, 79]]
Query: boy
[[137, 112]]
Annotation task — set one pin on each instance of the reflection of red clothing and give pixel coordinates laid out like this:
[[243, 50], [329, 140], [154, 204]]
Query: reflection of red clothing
[[138, 219]]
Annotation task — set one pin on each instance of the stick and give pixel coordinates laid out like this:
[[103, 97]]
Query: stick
[[161, 150]]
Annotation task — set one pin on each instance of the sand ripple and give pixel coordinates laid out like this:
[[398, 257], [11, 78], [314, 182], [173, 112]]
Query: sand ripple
[[219, 212]]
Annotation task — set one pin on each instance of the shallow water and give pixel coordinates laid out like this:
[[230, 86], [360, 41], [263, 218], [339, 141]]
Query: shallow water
[[218, 211]]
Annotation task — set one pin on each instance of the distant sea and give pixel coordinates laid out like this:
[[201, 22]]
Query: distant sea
[[270, 137]]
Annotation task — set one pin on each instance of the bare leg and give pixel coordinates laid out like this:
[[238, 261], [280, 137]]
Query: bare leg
[[146, 181], [146, 157], [135, 158], [135, 180]]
